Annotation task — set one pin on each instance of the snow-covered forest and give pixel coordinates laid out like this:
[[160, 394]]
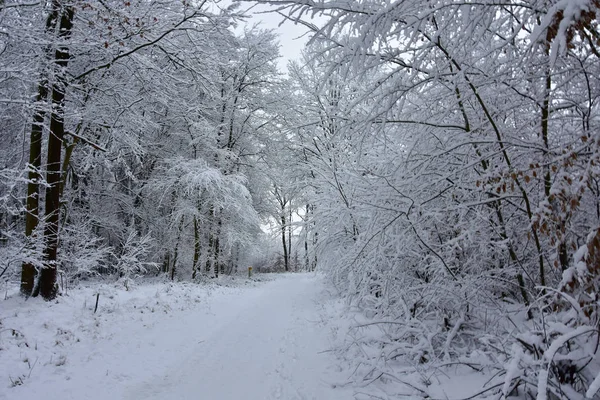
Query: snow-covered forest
[[435, 162]]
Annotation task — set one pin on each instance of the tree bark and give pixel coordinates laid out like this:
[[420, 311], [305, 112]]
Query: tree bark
[[196, 249], [289, 228], [315, 239], [28, 272], [176, 255], [217, 260], [285, 249], [47, 283]]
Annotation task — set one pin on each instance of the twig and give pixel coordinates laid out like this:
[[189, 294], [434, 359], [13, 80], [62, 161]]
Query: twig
[[33, 366], [470, 365], [324, 351], [97, 298], [481, 392]]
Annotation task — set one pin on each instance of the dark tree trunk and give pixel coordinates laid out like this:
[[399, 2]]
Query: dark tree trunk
[[174, 266], [290, 238], [176, 255], [33, 189], [306, 258], [217, 260], [166, 262], [196, 249], [315, 239], [47, 283], [285, 249], [210, 255], [28, 271]]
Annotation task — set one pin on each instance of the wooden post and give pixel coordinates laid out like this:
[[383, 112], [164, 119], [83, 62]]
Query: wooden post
[[249, 272]]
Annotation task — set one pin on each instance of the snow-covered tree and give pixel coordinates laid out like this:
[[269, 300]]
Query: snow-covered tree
[[115, 98], [454, 158]]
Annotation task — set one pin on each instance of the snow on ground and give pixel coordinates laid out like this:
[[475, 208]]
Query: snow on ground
[[172, 341], [283, 337]]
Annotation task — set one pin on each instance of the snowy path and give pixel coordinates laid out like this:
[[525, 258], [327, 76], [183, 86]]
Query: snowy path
[[258, 343], [271, 346]]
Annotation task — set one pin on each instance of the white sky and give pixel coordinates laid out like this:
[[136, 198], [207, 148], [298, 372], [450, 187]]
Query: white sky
[[292, 37]]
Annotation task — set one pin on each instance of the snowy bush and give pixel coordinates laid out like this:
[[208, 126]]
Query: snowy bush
[[133, 257], [454, 169], [558, 359], [82, 253]]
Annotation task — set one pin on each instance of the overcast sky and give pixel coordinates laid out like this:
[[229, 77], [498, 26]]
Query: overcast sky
[[292, 37]]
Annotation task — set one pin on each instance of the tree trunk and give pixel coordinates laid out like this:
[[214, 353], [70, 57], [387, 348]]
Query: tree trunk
[[285, 249], [315, 239], [166, 262], [196, 249], [236, 259], [290, 237], [47, 283], [176, 255], [174, 265], [307, 223], [33, 189], [217, 260], [34, 176], [209, 254], [306, 259]]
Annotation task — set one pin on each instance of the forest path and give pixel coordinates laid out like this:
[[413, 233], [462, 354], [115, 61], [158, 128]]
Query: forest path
[[262, 343], [174, 341]]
